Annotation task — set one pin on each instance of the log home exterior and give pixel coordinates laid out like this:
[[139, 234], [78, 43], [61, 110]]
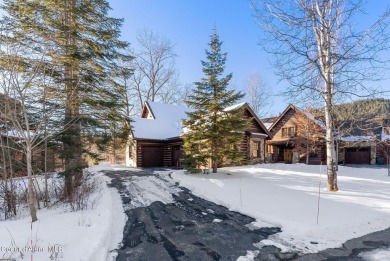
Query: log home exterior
[[254, 140], [364, 142], [156, 141], [296, 137]]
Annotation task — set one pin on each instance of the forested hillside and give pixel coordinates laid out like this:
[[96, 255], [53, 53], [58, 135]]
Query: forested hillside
[[361, 110], [359, 118]]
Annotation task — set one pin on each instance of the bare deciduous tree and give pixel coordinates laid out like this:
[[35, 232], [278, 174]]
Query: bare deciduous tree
[[258, 94], [17, 88], [154, 75], [27, 118], [316, 49]]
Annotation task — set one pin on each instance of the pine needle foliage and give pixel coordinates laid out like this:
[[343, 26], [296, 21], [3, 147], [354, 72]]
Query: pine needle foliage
[[214, 132], [77, 45]]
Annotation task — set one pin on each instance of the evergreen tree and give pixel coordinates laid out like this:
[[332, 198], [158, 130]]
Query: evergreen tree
[[79, 45], [213, 130]]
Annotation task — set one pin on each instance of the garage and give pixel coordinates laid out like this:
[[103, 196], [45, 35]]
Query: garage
[[152, 156], [357, 156]]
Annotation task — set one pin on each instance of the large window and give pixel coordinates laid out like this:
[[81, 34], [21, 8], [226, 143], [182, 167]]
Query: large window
[[288, 132]]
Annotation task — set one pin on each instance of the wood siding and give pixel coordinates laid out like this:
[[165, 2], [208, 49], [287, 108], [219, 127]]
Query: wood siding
[[152, 156], [166, 147], [290, 119], [295, 133], [169, 147], [245, 145], [168, 155], [253, 125], [140, 145]]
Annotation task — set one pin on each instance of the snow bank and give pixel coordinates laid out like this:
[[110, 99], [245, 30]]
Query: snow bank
[[376, 255], [82, 235], [286, 196]]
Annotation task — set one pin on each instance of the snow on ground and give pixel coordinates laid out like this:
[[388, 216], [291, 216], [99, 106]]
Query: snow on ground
[[250, 255], [286, 196], [80, 235], [145, 190], [376, 255]]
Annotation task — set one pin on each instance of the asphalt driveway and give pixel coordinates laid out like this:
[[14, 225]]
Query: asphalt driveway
[[191, 228]]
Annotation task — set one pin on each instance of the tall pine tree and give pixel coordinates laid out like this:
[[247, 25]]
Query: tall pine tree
[[214, 131], [79, 46]]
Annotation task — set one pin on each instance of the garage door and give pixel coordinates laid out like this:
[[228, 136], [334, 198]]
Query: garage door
[[152, 156], [357, 156]]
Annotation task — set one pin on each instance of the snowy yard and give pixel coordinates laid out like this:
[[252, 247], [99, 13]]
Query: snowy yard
[[287, 196], [276, 195], [60, 234]]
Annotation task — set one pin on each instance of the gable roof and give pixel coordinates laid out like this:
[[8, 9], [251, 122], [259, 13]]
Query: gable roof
[[354, 131], [268, 121], [236, 106], [166, 121], [253, 114], [295, 108], [363, 130], [165, 111]]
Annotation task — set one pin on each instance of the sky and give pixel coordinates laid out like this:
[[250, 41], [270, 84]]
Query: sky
[[189, 24]]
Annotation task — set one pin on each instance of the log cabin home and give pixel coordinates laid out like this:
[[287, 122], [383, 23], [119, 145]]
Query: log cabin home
[[364, 142], [12, 155], [296, 137], [155, 139]]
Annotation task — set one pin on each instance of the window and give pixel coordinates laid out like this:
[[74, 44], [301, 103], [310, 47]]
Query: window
[[256, 149], [288, 132]]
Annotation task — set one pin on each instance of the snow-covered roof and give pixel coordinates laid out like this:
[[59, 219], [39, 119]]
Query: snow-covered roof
[[156, 129], [167, 112], [15, 133], [258, 134], [267, 124], [307, 114], [236, 106], [166, 122], [384, 136], [356, 138], [311, 116]]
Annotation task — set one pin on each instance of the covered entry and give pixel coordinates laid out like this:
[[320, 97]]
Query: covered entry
[[177, 155], [152, 156], [357, 155], [287, 155], [281, 151]]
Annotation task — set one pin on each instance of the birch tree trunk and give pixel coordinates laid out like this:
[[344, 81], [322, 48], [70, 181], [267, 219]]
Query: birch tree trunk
[[5, 176], [31, 195], [322, 20], [330, 149], [319, 50]]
